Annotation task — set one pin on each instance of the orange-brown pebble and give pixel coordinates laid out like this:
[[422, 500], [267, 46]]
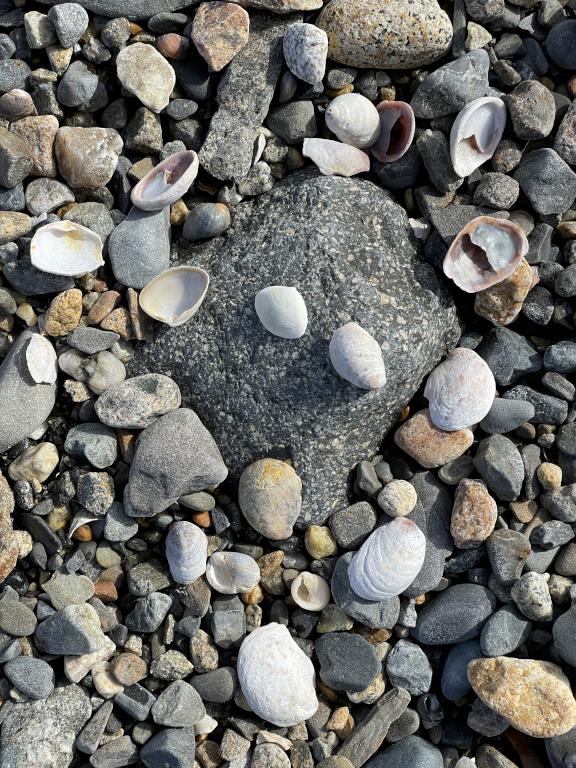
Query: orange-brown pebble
[[142, 325], [118, 321], [341, 722], [173, 46], [105, 303], [474, 514], [106, 591], [82, 533], [254, 597], [429, 446], [372, 636], [127, 444], [271, 572], [128, 668], [220, 31], [202, 519]]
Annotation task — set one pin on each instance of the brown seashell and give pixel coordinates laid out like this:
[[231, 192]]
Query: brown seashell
[[397, 127]]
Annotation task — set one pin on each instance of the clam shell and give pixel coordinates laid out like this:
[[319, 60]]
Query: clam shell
[[166, 182], [354, 120], [485, 252], [388, 561], [41, 360], [282, 311], [460, 390], [186, 552], [276, 677], [66, 248], [397, 127], [269, 494], [334, 158], [357, 357], [476, 133], [305, 50], [232, 572], [175, 295], [310, 591]]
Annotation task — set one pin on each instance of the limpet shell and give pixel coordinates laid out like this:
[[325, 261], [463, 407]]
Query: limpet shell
[[66, 248], [305, 50], [334, 158], [166, 182], [186, 552], [310, 591], [357, 357], [175, 295], [388, 561], [41, 360], [232, 572], [485, 252], [282, 311], [354, 120], [460, 390], [276, 677], [475, 134], [269, 495], [397, 128]]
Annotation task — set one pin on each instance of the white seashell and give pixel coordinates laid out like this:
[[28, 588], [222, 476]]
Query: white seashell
[[41, 360], [166, 182], [66, 248], [175, 295], [475, 134], [334, 158], [276, 677], [460, 390], [282, 311], [305, 50], [388, 561], [186, 552], [357, 357], [354, 119], [397, 128], [485, 252], [310, 591], [232, 572]]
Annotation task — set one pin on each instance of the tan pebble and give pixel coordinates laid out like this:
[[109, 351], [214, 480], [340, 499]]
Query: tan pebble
[[326, 691], [550, 476], [370, 694], [334, 92], [429, 446], [59, 58], [202, 519], [35, 464], [64, 313], [104, 680], [208, 754], [523, 511], [13, 225], [474, 514], [6, 323], [220, 31], [128, 668], [127, 444], [23, 541], [87, 157], [372, 636], [534, 696], [501, 304], [173, 46], [78, 391], [39, 133], [271, 572], [567, 229], [254, 597], [142, 325], [320, 542], [106, 556], [105, 590], [398, 498], [26, 313], [58, 518], [341, 722], [559, 588], [118, 321], [178, 212], [105, 303], [82, 533]]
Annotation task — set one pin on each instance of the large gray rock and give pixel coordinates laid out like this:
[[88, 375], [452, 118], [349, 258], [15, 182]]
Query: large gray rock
[[347, 247], [131, 9], [41, 734]]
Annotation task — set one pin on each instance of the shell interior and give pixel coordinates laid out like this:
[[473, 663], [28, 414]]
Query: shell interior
[[167, 182], [66, 248], [310, 591], [397, 128], [476, 133], [334, 158], [175, 295]]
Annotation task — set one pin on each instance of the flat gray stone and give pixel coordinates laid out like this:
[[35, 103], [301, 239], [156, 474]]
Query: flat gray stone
[[139, 247], [130, 9], [89, 737], [456, 615]]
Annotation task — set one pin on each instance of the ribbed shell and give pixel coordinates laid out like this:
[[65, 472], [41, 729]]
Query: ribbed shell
[[175, 295], [357, 357], [186, 552], [166, 182], [475, 134], [397, 128], [354, 120], [276, 677], [334, 158], [388, 561], [310, 591], [282, 311], [460, 390], [66, 248], [232, 573]]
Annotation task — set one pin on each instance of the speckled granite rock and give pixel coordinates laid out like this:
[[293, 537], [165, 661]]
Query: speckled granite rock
[[330, 237], [130, 9]]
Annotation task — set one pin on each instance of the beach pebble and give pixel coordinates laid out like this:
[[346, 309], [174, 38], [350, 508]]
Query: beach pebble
[[45, 195], [219, 32], [397, 498], [428, 445], [15, 159], [504, 632], [407, 667], [68, 589], [178, 706], [149, 612], [509, 356], [454, 682], [507, 551], [293, 122], [456, 615], [16, 618], [93, 442], [531, 595], [39, 30], [87, 157], [305, 50], [499, 463], [506, 415], [139, 247], [449, 88], [174, 747], [560, 44], [137, 402], [74, 630], [347, 662], [269, 495], [412, 750], [352, 525], [531, 108], [496, 190], [70, 21], [474, 514], [146, 74], [77, 86], [544, 169], [91, 340]]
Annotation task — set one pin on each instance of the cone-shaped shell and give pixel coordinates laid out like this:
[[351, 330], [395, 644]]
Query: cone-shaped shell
[[175, 295], [269, 494], [460, 390], [397, 127], [186, 552], [276, 677], [310, 591], [66, 248], [388, 561], [357, 357], [282, 311], [166, 182], [41, 360], [232, 572], [476, 133], [334, 158], [485, 252], [354, 120]]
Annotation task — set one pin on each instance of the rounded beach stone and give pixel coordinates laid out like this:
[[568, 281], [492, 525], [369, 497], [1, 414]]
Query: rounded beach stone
[[429, 446], [269, 495], [407, 666], [398, 498], [87, 157], [531, 107], [456, 615], [455, 684], [500, 465], [474, 514], [146, 74], [33, 677], [412, 751], [137, 402], [504, 632]]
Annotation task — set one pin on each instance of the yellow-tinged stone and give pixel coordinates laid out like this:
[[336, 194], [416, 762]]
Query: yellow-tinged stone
[[26, 313], [320, 542], [501, 304], [64, 313], [58, 519], [35, 464], [178, 212], [534, 696]]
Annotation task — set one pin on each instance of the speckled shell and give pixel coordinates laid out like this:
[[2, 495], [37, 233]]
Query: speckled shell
[[232, 573], [166, 182], [175, 295], [477, 266], [186, 552], [357, 357], [310, 591], [475, 134], [354, 120], [397, 127], [66, 248], [276, 677], [305, 51], [41, 360], [334, 158], [460, 390], [269, 494], [388, 561], [282, 311]]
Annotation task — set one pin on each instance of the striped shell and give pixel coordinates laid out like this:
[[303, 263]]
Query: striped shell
[[186, 552], [397, 128], [166, 182], [475, 134], [310, 591], [232, 572], [334, 158], [388, 561], [282, 311], [354, 120], [460, 390], [276, 677], [357, 357]]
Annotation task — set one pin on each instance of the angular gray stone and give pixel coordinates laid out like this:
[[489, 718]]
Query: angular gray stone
[[91, 340], [179, 706], [347, 247], [130, 9], [149, 612], [93, 442], [456, 615], [137, 402], [170, 748], [73, 631], [413, 751], [407, 666], [547, 181], [500, 465], [115, 754], [89, 737], [139, 247]]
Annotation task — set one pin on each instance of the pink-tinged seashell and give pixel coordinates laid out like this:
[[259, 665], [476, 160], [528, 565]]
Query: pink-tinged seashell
[[397, 127], [460, 390], [166, 182], [186, 552], [476, 133], [334, 158], [485, 252], [357, 357], [354, 120]]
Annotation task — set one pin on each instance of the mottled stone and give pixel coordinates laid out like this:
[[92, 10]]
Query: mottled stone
[[220, 31], [501, 304], [428, 445], [39, 133], [474, 514], [87, 157], [146, 74]]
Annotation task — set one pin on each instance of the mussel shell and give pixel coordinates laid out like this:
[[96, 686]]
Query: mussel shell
[[166, 182], [475, 134], [186, 551], [232, 573], [354, 120], [66, 248], [334, 158], [397, 128], [175, 295], [282, 311], [357, 357]]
